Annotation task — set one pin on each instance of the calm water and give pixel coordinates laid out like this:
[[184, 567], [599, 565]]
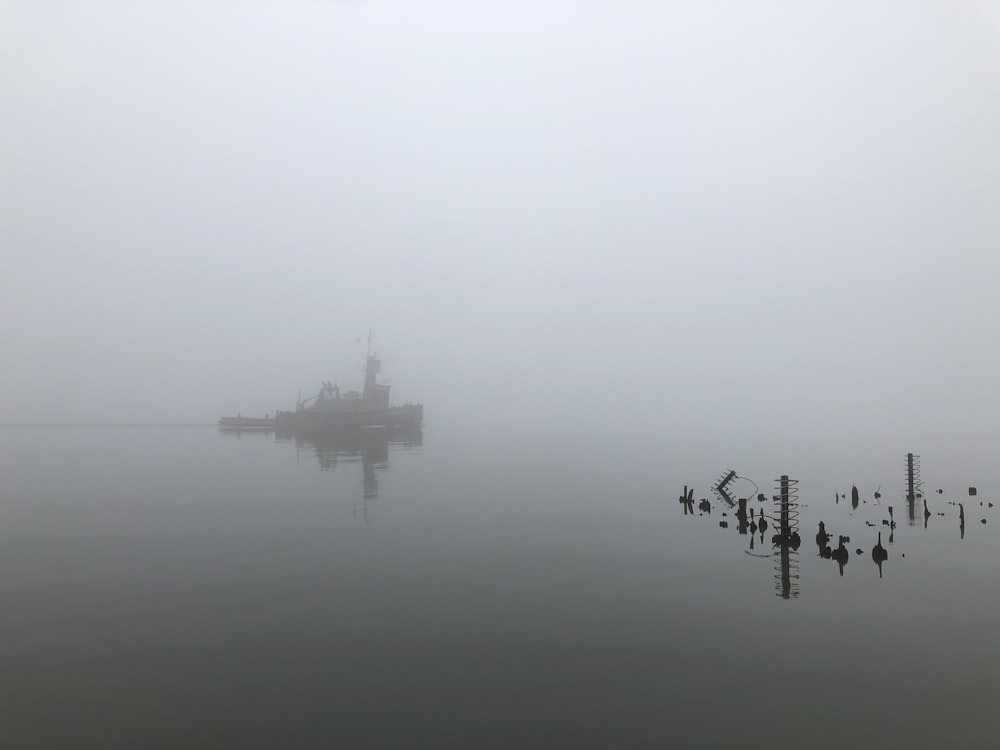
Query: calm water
[[178, 587]]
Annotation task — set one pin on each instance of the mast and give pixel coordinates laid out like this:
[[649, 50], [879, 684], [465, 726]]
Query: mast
[[372, 366]]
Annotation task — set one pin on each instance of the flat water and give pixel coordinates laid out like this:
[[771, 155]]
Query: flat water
[[180, 587]]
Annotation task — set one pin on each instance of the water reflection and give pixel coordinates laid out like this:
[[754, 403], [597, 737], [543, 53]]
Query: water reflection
[[787, 573], [367, 445]]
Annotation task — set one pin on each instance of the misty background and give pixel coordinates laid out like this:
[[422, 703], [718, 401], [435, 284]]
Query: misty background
[[689, 216]]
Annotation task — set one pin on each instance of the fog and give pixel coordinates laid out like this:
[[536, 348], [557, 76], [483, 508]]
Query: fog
[[699, 217]]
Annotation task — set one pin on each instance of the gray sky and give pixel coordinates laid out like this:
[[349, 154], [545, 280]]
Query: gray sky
[[589, 213]]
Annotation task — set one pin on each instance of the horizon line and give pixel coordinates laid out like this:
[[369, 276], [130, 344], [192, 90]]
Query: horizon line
[[108, 424]]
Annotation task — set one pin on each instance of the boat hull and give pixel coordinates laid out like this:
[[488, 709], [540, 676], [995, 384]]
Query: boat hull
[[408, 415]]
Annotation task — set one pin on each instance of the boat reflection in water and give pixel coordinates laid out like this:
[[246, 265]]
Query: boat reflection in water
[[369, 445]]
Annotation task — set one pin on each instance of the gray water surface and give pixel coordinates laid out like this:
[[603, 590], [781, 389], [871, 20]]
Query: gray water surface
[[180, 587]]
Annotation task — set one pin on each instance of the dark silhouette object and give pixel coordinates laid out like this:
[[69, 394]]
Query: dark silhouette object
[[762, 525], [879, 554], [841, 550], [822, 537], [787, 503], [972, 491], [723, 524], [687, 500], [721, 487], [836, 498], [854, 497], [787, 540], [841, 554], [859, 551], [940, 491], [927, 514], [823, 542], [786, 573], [741, 515], [761, 497], [878, 493], [961, 520], [982, 521], [704, 506], [913, 482]]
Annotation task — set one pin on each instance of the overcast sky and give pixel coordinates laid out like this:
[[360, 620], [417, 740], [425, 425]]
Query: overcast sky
[[590, 213]]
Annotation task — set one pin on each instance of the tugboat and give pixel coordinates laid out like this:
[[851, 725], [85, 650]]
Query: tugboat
[[330, 410]]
